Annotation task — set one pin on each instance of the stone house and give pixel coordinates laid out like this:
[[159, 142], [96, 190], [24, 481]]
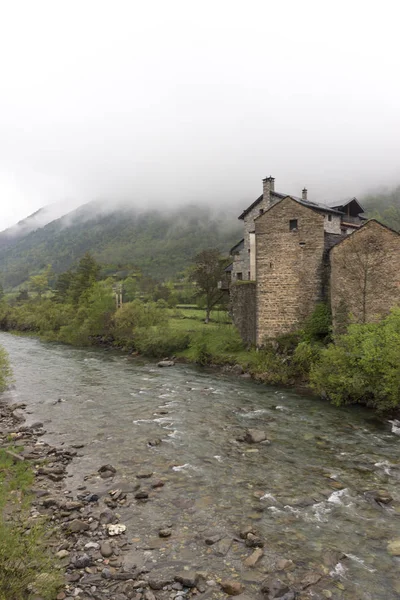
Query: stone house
[[296, 253]]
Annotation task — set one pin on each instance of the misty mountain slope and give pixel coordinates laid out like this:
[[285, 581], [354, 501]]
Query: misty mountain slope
[[159, 243]]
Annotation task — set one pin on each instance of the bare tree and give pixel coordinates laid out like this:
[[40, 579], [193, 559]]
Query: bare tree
[[363, 259]]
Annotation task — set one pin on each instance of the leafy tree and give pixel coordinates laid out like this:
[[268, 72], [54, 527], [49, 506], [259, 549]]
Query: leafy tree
[[207, 272], [63, 286], [130, 289], [86, 275], [40, 283]]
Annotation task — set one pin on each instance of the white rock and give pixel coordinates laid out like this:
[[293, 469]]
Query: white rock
[[116, 529]]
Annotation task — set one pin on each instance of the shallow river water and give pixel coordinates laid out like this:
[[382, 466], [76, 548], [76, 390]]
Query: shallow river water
[[306, 492]]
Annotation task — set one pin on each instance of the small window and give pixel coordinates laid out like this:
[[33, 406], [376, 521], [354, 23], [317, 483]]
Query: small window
[[239, 276], [293, 225], [248, 276], [261, 211], [329, 217]]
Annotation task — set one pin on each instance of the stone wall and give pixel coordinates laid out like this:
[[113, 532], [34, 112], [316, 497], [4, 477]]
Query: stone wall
[[243, 302], [364, 275], [289, 267], [333, 225], [241, 264]]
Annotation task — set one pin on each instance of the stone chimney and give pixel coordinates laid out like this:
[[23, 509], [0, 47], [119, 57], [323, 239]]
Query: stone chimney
[[268, 187], [304, 194]]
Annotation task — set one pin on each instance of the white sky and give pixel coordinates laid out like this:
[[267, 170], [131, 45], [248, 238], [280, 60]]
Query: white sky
[[162, 101]]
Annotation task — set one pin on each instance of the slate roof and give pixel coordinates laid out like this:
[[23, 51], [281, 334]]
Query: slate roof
[[314, 205], [345, 202], [237, 246]]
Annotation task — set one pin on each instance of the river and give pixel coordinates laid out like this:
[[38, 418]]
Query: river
[[306, 492]]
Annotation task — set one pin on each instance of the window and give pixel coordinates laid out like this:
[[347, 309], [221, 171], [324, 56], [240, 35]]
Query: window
[[329, 217], [239, 276], [293, 225], [261, 211], [249, 276]]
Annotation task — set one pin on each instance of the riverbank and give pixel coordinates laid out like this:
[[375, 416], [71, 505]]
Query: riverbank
[[309, 481], [360, 366]]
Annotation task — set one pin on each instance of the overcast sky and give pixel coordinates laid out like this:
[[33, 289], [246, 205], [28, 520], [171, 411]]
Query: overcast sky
[[169, 101]]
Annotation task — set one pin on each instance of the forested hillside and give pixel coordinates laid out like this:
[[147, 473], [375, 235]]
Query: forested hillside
[[159, 243], [384, 205]]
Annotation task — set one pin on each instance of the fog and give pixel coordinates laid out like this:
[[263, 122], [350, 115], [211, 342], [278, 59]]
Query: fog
[[158, 103]]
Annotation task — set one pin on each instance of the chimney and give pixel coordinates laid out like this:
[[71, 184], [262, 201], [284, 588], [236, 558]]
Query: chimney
[[268, 187], [304, 194]]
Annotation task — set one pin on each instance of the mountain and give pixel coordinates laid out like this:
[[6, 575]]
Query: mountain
[[160, 243], [38, 219]]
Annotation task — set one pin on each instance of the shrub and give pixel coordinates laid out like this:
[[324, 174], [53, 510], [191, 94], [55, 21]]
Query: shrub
[[363, 366], [160, 342], [218, 345], [318, 326], [137, 315]]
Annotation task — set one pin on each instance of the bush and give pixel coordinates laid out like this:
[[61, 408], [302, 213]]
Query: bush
[[137, 315], [218, 345], [160, 342], [318, 326], [363, 366]]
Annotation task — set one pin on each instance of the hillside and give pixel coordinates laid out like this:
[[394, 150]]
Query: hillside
[[160, 243], [384, 205]]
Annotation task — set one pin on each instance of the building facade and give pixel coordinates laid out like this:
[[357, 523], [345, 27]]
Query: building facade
[[296, 253]]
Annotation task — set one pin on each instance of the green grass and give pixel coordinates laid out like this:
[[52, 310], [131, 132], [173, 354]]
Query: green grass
[[27, 568], [199, 314]]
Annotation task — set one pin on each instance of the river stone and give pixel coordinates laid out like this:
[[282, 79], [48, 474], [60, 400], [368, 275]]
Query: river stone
[[164, 533], [107, 516], [77, 526], [212, 539], [166, 363], [232, 587], [393, 547], [159, 580], [71, 506], [253, 559], [106, 549], [62, 554], [222, 547], [311, 578], [275, 588], [141, 495], [187, 578], [82, 561], [255, 436], [254, 541], [383, 497], [144, 474], [116, 529]]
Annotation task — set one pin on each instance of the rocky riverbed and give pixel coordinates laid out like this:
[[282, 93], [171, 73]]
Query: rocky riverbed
[[179, 483]]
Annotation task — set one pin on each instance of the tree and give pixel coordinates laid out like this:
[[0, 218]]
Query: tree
[[63, 286], [40, 283], [363, 259], [206, 273], [86, 275]]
